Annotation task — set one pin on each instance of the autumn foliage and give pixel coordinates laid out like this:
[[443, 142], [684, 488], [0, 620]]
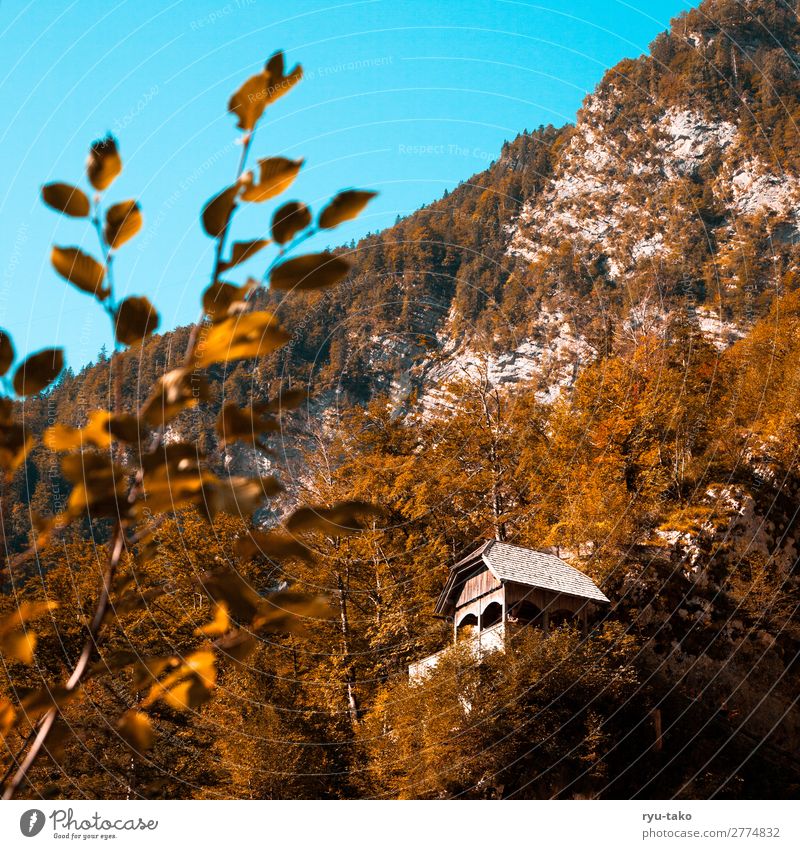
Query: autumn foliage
[[126, 478]]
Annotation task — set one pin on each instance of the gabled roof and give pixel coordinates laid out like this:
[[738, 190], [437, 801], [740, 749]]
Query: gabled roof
[[536, 569], [522, 566]]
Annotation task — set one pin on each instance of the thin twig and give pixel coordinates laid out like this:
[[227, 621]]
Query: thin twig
[[46, 724], [15, 758], [41, 731], [247, 142], [116, 364]]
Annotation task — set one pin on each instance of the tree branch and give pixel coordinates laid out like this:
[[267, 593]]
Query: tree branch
[[44, 726]]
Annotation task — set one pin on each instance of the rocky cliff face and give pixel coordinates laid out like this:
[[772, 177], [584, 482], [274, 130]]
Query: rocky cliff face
[[618, 190], [676, 192]]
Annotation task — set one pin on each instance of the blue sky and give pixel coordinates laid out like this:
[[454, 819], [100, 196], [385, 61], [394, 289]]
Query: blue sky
[[409, 98]]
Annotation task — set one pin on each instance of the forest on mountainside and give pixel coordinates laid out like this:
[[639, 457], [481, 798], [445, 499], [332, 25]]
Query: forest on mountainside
[[636, 481], [666, 468]]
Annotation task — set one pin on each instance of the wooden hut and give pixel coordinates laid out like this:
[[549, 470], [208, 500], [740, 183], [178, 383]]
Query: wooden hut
[[498, 586]]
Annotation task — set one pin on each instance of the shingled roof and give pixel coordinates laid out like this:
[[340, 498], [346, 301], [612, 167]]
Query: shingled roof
[[536, 569], [522, 566]]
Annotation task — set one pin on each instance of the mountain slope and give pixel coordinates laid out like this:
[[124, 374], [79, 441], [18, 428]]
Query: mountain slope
[[676, 193], [680, 178], [674, 197]]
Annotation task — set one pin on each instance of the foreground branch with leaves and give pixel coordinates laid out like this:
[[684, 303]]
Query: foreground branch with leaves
[[126, 476]]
